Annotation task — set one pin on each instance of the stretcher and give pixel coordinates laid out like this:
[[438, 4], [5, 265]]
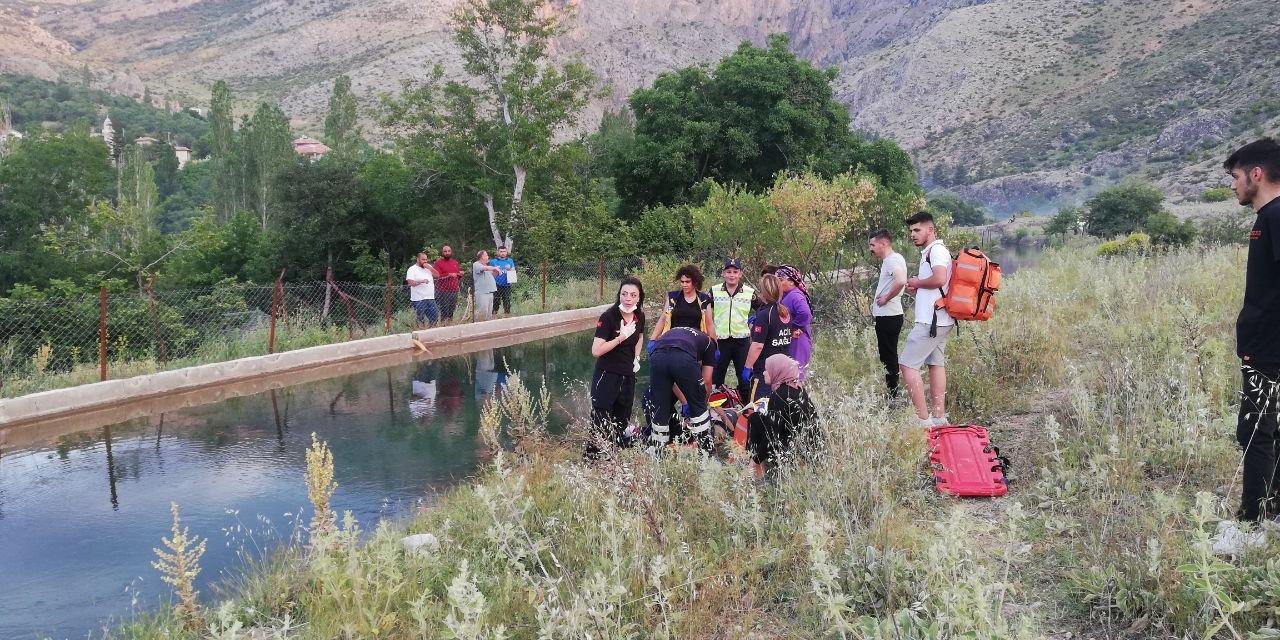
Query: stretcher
[[965, 463]]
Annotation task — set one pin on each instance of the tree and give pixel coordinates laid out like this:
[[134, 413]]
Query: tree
[[964, 213], [46, 180], [320, 213], [1067, 220], [223, 134], [759, 112], [487, 132], [268, 149], [569, 221], [166, 167], [340, 130], [1122, 209], [1166, 230]]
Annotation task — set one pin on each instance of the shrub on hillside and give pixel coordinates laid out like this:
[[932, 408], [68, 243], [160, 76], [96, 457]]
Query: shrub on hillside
[[1217, 194], [1135, 244]]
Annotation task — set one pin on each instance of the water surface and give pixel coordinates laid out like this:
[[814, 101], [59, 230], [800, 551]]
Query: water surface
[[80, 515]]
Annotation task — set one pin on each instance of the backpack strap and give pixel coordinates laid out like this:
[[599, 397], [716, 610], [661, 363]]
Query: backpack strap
[[933, 326]]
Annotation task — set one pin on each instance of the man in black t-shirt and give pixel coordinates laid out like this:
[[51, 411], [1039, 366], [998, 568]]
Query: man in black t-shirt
[[1255, 179], [683, 357]]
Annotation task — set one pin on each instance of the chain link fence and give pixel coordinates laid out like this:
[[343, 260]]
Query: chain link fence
[[55, 342]]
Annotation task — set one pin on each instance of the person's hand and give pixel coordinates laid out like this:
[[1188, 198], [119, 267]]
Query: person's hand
[[628, 329], [684, 410], [717, 356], [649, 349], [746, 374], [881, 301], [751, 320], [796, 333], [913, 283]]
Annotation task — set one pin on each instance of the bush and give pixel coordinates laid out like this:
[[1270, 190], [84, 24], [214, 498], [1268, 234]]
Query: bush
[[1136, 244], [1218, 194]]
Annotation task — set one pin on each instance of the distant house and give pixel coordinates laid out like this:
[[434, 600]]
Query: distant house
[[310, 147], [184, 156], [145, 141]]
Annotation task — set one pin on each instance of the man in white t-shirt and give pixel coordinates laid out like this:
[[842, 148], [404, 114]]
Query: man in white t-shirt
[[421, 278], [886, 309], [927, 342]]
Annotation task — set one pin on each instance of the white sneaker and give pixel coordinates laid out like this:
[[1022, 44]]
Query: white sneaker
[[925, 423], [939, 422], [1231, 540]]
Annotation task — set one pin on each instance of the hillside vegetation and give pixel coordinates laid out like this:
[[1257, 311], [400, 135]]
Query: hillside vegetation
[[1016, 102]]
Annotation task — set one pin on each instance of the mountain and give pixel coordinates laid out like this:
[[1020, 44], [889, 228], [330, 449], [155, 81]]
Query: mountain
[[1018, 103]]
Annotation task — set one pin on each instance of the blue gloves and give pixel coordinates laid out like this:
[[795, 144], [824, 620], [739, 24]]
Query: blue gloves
[[751, 320], [717, 356], [649, 349], [746, 374], [684, 410]]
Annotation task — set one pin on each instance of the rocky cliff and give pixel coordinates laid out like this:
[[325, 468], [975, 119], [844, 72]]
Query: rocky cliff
[[1021, 102]]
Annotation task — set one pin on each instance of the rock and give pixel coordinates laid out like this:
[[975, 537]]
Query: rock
[[420, 543], [1191, 130]]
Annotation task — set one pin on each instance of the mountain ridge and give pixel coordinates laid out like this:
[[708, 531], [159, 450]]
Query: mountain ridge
[[1019, 103]]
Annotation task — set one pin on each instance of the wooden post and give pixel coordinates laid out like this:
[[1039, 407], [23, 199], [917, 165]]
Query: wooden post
[[275, 304], [102, 333], [602, 278], [388, 299], [544, 285]]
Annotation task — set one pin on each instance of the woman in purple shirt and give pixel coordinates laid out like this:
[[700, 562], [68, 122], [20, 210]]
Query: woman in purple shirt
[[795, 297]]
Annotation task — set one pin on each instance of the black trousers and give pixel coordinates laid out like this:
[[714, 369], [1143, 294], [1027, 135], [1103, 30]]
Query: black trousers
[[888, 328], [732, 351], [612, 397], [448, 301], [1256, 433], [667, 367], [502, 297]]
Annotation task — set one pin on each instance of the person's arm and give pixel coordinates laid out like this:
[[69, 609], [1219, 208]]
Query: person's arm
[[753, 354], [658, 326], [936, 280], [639, 343], [899, 283], [709, 317], [600, 346], [706, 377]]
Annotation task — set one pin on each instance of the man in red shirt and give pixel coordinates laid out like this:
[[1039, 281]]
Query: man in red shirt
[[447, 283]]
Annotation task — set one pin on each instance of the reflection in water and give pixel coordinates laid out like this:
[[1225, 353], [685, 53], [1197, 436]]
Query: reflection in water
[[79, 516]]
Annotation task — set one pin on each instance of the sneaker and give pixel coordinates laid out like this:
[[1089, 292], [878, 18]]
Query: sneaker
[[1230, 540], [939, 422], [925, 423]]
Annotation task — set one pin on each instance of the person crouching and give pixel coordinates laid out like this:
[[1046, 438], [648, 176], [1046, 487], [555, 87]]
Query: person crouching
[[683, 357], [784, 415]]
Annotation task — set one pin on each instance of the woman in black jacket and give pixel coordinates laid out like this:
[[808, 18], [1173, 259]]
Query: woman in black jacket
[[616, 347]]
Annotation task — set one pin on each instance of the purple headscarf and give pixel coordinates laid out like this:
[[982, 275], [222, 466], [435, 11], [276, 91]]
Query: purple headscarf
[[793, 274]]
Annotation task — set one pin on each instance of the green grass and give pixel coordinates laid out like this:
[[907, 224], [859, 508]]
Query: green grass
[[1110, 381]]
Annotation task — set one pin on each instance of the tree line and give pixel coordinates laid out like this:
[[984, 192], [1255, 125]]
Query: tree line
[[480, 158]]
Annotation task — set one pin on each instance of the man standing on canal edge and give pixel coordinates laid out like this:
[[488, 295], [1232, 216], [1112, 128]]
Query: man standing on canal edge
[[450, 273], [1255, 179], [422, 291], [503, 279]]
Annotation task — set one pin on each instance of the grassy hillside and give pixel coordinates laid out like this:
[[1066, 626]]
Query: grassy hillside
[[1122, 465]]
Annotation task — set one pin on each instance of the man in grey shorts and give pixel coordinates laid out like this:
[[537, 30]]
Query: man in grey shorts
[[927, 342]]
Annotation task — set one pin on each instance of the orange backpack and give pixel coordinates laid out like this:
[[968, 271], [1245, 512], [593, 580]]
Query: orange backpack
[[971, 288]]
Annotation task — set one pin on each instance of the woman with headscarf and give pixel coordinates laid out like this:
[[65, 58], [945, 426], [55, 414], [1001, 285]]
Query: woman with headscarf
[[778, 420], [616, 348], [795, 297]]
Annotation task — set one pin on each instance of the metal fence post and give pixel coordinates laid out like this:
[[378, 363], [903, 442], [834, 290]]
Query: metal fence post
[[102, 333], [544, 285], [601, 278], [388, 300]]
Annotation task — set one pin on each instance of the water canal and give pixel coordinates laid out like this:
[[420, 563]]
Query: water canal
[[81, 513]]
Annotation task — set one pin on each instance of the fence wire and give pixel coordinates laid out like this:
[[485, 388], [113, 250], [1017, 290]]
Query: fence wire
[[54, 342]]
